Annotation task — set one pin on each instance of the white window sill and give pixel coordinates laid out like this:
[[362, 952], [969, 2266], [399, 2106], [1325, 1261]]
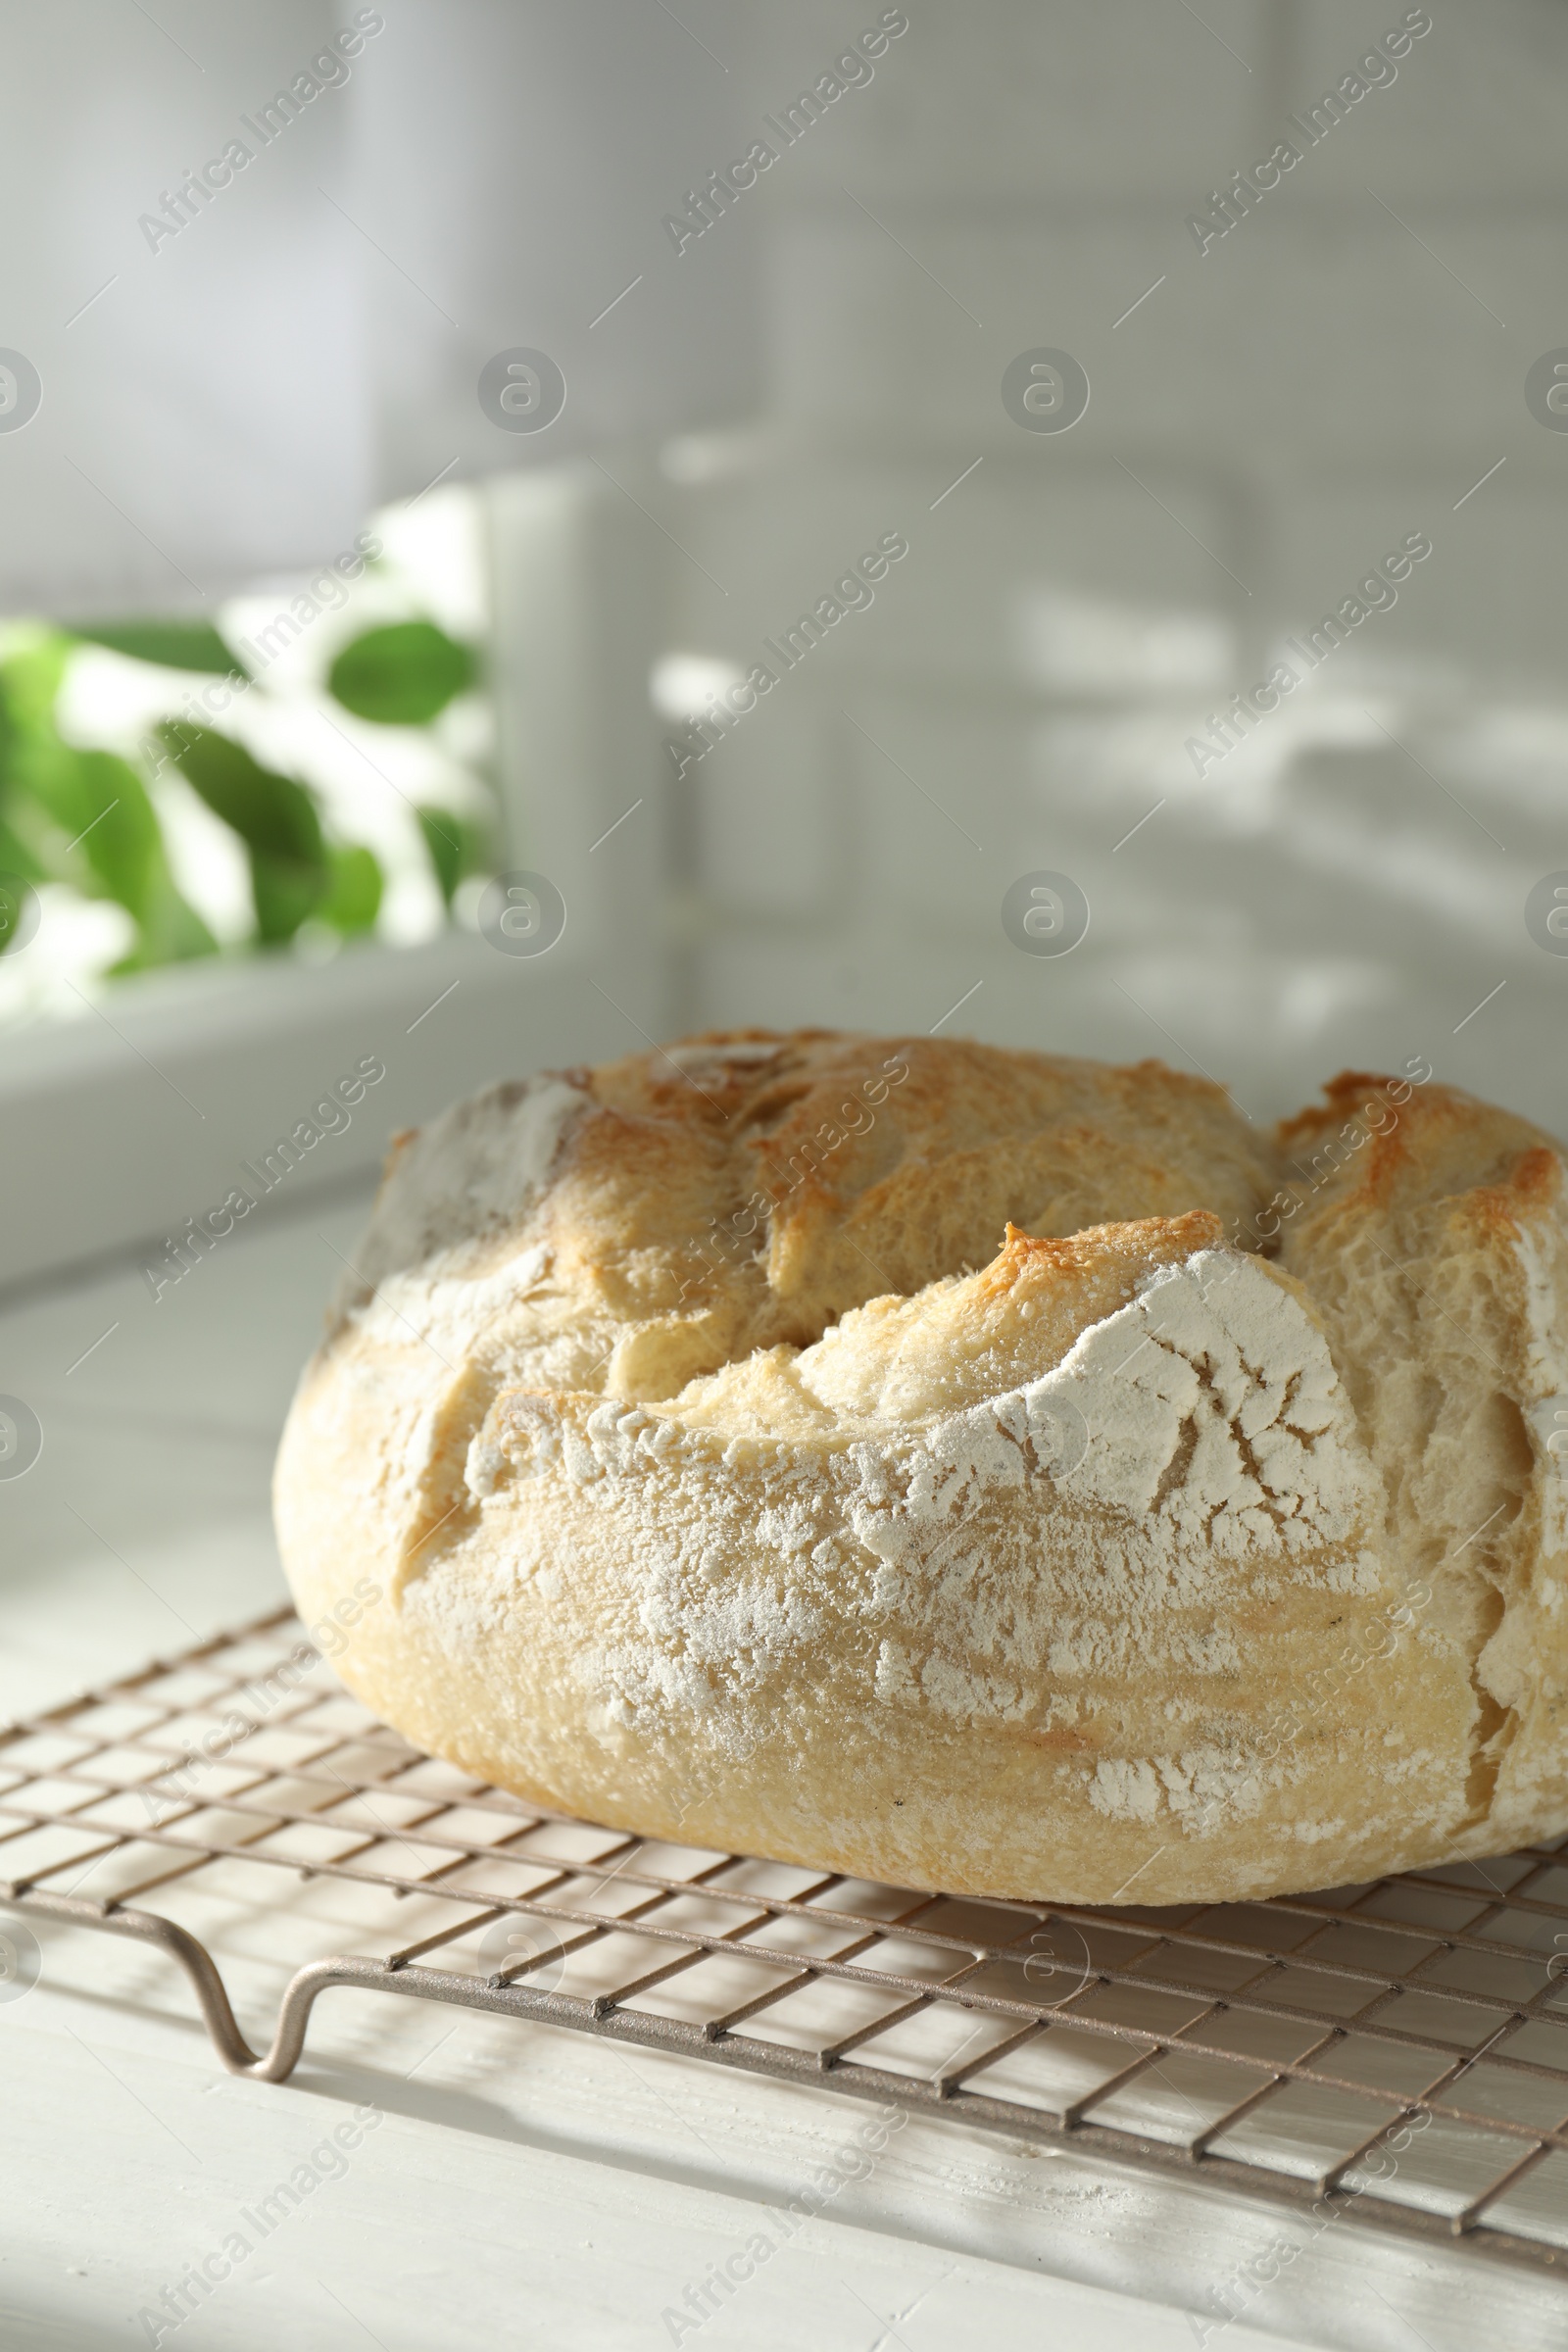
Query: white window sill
[[116, 1127]]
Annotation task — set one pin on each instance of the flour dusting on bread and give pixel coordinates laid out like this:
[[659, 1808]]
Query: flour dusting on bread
[[961, 1467]]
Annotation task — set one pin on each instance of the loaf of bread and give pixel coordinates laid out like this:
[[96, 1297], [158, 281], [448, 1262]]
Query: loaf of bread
[[966, 1468]]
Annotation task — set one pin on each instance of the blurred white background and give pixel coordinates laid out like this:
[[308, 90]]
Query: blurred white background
[[1272, 412]]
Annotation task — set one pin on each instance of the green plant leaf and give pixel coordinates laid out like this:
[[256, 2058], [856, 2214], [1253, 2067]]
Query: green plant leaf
[[116, 832], [19, 857], [116, 829], [274, 818], [443, 838], [354, 900], [172, 644], [116, 851], [8, 741], [401, 675], [273, 815], [168, 931], [285, 891], [105, 836], [32, 678], [84, 818], [456, 845]]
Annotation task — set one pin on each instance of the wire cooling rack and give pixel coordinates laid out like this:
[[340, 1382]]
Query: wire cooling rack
[[1396, 2050]]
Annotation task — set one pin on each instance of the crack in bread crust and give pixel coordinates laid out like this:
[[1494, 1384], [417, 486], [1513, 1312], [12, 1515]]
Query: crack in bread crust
[[687, 1412], [1447, 1255]]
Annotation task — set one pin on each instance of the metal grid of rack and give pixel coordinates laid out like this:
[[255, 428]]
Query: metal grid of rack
[[1396, 2051]]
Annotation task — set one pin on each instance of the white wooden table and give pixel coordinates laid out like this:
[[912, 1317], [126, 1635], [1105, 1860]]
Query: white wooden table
[[518, 2185]]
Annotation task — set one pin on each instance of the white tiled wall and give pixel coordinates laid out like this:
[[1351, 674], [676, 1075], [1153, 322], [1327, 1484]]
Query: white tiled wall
[[1281, 411]]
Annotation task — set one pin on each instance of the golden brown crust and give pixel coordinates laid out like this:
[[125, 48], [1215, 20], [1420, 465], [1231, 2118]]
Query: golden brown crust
[[871, 1165]]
